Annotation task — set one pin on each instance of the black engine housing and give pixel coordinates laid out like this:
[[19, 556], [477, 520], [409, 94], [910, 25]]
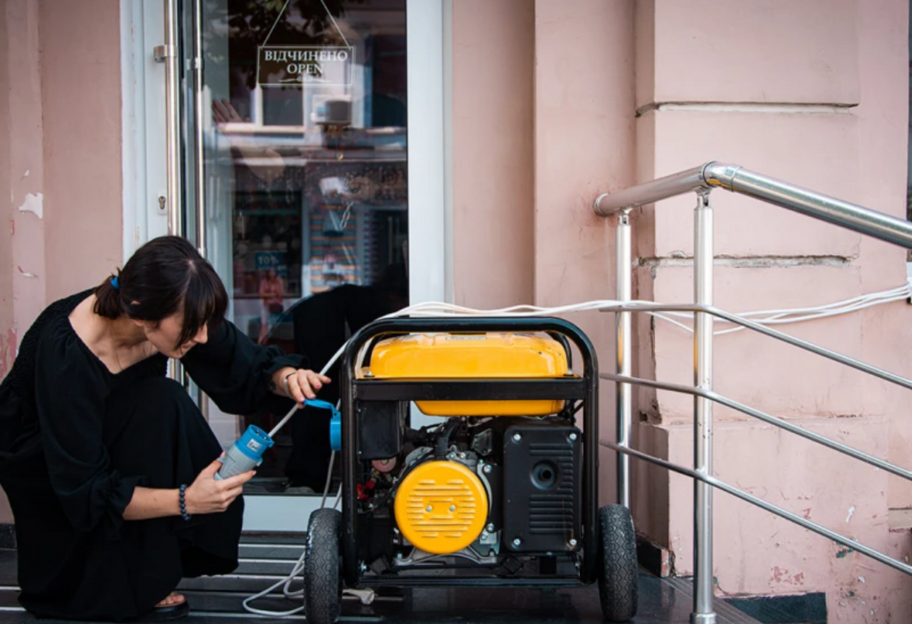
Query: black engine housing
[[542, 488]]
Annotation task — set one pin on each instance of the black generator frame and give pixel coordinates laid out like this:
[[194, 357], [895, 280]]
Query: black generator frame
[[570, 388]]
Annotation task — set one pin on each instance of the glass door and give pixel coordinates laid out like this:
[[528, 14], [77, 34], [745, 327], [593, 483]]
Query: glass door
[[295, 184]]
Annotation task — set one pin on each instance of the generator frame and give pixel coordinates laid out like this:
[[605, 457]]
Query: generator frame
[[572, 387]]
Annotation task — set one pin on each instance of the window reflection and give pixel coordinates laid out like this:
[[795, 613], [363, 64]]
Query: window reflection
[[316, 158]]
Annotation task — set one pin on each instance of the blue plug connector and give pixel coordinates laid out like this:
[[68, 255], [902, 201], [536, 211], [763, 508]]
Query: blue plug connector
[[247, 453]]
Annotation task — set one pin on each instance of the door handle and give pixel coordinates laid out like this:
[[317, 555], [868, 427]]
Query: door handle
[[170, 53]]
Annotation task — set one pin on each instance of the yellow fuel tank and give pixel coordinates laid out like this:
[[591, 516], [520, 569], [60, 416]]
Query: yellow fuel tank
[[491, 356]]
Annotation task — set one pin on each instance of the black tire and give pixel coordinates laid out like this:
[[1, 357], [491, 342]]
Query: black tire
[[619, 570], [322, 579]]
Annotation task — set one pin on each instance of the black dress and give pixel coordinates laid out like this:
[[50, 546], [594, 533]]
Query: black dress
[[75, 440]]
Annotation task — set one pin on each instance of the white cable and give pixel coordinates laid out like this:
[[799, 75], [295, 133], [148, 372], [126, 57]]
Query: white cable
[[841, 307], [441, 309], [298, 567], [296, 570], [902, 290], [775, 320], [798, 315], [329, 474]]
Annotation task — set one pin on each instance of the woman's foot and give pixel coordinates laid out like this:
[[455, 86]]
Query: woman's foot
[[172, 600], [173, 607]]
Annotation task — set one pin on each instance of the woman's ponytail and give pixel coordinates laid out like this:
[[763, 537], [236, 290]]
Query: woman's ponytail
[[108, 300]]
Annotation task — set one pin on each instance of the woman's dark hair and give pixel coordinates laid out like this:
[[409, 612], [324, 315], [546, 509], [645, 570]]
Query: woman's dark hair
[[165, 276]]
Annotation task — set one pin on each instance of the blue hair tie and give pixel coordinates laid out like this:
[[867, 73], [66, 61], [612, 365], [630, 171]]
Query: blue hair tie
[[115, 283]]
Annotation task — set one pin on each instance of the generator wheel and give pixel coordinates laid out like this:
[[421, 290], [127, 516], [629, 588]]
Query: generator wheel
[[322, 579], [618, 571]]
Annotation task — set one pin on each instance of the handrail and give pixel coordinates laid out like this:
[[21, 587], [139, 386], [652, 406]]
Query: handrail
[[767, 418], [736, 179], [759, 502], [702, 181], [772, 333]]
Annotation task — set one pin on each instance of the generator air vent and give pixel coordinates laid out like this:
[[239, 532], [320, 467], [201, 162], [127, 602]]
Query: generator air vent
[[441, 507]]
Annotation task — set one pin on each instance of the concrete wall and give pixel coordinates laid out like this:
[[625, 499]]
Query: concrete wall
[[529, 160], [81, 109], [7, 335], [61, 166], [785, 93], [812, 92], [493, 152], [584, 145]]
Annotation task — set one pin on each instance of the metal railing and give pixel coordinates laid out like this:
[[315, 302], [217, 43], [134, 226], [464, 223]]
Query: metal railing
[[701, 181]]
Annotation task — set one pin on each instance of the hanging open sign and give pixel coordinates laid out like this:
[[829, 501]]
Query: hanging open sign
[[301, 65]]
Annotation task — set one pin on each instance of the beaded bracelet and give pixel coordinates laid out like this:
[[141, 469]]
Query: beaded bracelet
[[183, 501]]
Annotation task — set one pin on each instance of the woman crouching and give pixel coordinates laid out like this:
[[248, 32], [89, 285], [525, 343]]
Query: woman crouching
[[109, 465]]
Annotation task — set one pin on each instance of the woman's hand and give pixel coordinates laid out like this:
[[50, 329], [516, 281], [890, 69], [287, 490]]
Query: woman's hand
[[299, 384], [206, 495], [271, 164], [223, 112]]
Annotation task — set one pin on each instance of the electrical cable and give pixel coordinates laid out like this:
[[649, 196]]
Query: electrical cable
[[298, 567]]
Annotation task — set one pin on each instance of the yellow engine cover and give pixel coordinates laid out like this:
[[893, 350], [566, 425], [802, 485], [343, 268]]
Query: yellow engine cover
[[493, 355], [441, 507]]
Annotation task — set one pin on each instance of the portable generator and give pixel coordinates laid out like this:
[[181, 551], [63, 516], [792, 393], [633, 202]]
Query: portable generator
[[502, 492]]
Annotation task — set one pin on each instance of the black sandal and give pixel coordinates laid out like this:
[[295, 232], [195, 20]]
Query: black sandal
[[166, 614]]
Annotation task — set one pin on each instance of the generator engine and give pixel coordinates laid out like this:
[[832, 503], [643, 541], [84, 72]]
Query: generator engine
[[495, 482]]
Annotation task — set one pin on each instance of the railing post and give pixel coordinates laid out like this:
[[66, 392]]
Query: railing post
[[703, 369], [624, 277]]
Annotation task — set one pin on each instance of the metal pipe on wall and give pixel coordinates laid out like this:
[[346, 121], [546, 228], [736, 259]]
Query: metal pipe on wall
[[624, 276], [736, 179], [811, 203], [769, 419], [703, 416], [650, 192], [703, 180]]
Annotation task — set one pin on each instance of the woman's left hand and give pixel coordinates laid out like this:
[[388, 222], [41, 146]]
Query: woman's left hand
[[301, 384]]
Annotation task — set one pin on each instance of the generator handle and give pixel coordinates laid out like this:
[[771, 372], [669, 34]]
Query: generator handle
[[351, 569]]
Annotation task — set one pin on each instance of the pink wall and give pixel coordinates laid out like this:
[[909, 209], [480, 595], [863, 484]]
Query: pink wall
[[25, 170], [785, 93], [555, 102], [80, 81], [7, 335], [527, 161], [493, 152], [812, 92], [584, 145], [62, 165], [61, 168]]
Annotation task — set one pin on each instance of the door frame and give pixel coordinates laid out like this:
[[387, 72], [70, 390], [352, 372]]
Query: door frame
[[430, 262]]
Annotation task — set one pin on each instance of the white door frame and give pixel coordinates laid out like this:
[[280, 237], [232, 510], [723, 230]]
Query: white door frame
[[142, 123], [426, 154], [429, 54]]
